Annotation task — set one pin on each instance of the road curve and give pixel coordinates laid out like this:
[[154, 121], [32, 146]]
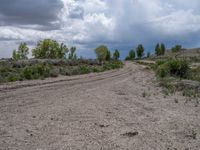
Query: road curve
[[120, 109]]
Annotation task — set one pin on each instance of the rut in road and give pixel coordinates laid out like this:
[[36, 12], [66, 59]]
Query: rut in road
[[96, 111]]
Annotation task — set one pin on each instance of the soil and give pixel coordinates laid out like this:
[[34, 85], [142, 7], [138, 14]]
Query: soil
[[116, 110]]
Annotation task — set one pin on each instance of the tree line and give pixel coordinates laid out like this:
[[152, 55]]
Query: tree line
[[51, 49], [45, 49]]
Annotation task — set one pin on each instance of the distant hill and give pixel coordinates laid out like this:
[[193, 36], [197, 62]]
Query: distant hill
[[190, 54]]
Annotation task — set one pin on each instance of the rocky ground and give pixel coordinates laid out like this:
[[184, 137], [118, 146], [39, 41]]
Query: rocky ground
[[117, 110]]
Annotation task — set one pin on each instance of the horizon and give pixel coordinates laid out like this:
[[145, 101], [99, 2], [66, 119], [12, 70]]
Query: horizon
[[121, 24]]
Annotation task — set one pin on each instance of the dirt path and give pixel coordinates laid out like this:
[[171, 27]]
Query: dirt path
[[116, 110]]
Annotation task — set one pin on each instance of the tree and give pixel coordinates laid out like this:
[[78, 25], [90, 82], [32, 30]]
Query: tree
[[101, 52], [49, 49], [163, 49], [22, 52], [131, 55], [15, 55], [140, 51], [62, 51], [176, 48], [116, 55], [157, 49], [160, 49], [148, 54], [72, 54], [108, 56]]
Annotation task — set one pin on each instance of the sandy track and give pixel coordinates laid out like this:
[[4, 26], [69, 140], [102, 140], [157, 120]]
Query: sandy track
[[98, 111]]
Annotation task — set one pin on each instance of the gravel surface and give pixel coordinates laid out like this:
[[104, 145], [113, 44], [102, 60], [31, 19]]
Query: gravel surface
[[117, 110]]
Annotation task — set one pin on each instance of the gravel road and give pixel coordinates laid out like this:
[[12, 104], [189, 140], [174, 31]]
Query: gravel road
[[115, 110]]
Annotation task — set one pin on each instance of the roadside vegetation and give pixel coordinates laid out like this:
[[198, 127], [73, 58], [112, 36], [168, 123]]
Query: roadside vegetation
[[51, 59], [176, 70]]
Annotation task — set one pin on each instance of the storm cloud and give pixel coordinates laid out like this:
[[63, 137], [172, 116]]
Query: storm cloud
[[29, 12], [120, 24]]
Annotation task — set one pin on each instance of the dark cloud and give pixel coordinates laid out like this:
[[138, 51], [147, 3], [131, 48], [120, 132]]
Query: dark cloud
[[29, 12]]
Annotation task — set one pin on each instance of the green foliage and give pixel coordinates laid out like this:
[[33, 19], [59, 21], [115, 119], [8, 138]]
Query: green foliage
[[72, 54], [131, 55], [194, 74], [163, 70], [176, 48], [15, 55], [13, 77], [116, 55], [108, 56], [21, 53], [84, 69], [49, 49], [163, 49], [42, 69], [112, 65], [36, 71], [179, 68], [140, 51], [160, 49], [101, 52]]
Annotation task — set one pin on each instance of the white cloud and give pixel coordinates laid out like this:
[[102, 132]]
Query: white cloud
[[86, 23]]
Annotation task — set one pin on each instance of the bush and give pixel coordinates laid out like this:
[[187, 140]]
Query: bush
[[13, 78], [112, 65], [84, 69], [36, 71], [194, 74], [179, 68], [54, 73], [163, 70]]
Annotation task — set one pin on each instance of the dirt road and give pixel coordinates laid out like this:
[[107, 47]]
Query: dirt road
[[117, 110]]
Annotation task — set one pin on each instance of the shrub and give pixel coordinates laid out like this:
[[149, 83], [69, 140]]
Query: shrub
[[163, 70], [36, 71], [194, 74], [178, 68], [176, 48], [84, 69], [54, 73], [13, 78]]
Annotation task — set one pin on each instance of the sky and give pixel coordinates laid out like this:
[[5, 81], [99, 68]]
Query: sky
[[119, 24]]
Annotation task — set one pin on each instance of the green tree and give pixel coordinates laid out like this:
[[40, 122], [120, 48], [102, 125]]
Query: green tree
[[131, 55], [62, 51], [108, 56], [148, 54], [176, 48], [157, 49], [72, 54], [163, 49], [116, 55], [15, 55], [22, 52], [140, 51], [160, 49], [49, 49], [101, 52]]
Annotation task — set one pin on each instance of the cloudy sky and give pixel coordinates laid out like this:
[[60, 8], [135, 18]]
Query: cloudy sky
[[120, 24]]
